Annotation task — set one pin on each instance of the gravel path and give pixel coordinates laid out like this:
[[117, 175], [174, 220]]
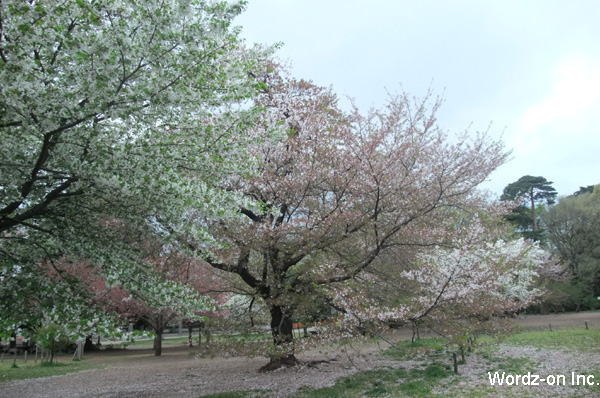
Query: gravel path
[[178, 374]]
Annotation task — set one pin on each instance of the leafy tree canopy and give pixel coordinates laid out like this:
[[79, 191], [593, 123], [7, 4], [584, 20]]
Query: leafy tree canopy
[[588, 189], [573, 227], [530, 188], [113, 113], [529, 191]]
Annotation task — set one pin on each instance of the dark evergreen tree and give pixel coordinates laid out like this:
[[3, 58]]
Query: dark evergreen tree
[[530, 191]]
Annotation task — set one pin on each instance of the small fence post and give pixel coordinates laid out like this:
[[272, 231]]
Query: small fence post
[[455, 362], [79, 350]]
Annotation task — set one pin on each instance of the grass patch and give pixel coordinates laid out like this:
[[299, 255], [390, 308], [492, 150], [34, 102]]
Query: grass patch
[[32, 370], [581, 340], [511, 365], [406, 349], [481, 391], [382, 383], [170, 341], [238, 394], [166, 341], [500, 363]]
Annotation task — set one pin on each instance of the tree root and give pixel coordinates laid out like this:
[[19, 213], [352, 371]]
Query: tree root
[[278, 363], [288, 362]]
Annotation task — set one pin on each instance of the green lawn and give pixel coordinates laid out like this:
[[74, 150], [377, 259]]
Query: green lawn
[[574, 339], [32, 370], [214, 338]]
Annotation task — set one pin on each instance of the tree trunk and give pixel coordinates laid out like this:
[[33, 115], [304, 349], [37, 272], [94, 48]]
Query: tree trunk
[[190, 335], [535, 225], [283, 337], [89, 343], [158, 342], [281, 326]]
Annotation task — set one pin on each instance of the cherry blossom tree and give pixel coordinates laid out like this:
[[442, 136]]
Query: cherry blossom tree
[[198, 299], [109, 110], [337, 193], [52, 306], [455, 291], [183, 289]]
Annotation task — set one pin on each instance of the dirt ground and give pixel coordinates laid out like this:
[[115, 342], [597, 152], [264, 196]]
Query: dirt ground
[[180, 373]]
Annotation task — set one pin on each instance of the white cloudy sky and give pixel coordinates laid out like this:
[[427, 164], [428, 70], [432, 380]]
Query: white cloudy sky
[[531, 68]]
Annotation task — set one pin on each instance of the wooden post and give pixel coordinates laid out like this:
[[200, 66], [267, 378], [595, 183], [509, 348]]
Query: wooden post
[[455, 363], [25, 356], [80, 349], [550, 325], [586, 325]]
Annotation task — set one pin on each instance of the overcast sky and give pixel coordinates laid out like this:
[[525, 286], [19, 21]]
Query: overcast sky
[[529, 68]]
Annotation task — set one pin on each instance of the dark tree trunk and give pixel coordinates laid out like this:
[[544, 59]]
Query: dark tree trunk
[[281, 326], [158, 342], [89, 343], [190, 335], [282, 331]]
